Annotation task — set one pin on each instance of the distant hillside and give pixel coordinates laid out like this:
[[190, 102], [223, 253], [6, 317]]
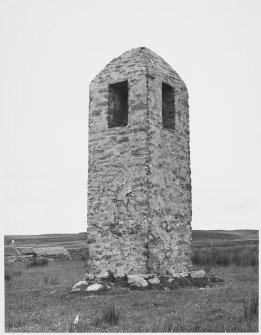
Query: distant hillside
[[224, 237], [75, 241], [69, 241]]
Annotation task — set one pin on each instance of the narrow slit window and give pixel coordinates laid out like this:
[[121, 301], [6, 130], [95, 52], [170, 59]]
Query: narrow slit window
[[168, 107], [118, 105]]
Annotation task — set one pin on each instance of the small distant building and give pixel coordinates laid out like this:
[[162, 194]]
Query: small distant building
[[52, 252], [10, 251], [27, 253]]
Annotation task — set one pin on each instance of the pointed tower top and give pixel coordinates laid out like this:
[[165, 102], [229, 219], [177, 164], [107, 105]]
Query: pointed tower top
[[137, 59]]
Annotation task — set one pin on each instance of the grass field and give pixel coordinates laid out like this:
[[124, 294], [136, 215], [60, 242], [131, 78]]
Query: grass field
[[38, 299]]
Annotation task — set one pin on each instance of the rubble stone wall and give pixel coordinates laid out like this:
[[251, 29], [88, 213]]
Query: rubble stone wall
[[139, 188]]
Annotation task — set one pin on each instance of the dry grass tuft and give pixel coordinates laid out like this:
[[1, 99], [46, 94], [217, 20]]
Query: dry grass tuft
[[51, 280], [251, 306], [11, 274], [8, 276], [110, 315]]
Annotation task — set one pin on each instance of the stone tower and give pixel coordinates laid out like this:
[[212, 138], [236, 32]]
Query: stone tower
[[139, 186]]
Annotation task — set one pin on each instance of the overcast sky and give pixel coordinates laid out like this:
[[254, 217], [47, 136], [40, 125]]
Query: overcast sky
[[51, 50]]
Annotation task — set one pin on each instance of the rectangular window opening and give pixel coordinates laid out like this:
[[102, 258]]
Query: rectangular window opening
[[118, 105], [168, 107]]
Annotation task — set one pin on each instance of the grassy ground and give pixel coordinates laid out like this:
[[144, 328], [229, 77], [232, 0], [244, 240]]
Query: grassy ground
[[242, 255], [37, 299]]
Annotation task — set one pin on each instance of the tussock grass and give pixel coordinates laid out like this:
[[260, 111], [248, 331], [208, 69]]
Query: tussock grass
[[110, 315], [38, 262], [11, 274], [251, 306], [8, 276], [246, 255], [51, 280]]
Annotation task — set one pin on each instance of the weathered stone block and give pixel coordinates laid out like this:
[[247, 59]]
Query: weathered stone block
[[197, 274], [80, 284], [138, 281], [94, 287], [154, 281]]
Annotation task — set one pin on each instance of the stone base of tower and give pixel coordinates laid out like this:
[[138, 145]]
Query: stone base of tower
[[126, 258], [107, 281]]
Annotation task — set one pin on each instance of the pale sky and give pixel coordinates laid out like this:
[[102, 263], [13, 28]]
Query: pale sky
[[51, 50]]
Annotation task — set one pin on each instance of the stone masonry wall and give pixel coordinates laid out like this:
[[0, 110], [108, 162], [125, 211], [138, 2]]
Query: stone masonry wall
[[139, 193]]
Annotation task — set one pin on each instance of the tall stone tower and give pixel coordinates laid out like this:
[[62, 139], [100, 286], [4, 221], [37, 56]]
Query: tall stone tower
[[139, 187]]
